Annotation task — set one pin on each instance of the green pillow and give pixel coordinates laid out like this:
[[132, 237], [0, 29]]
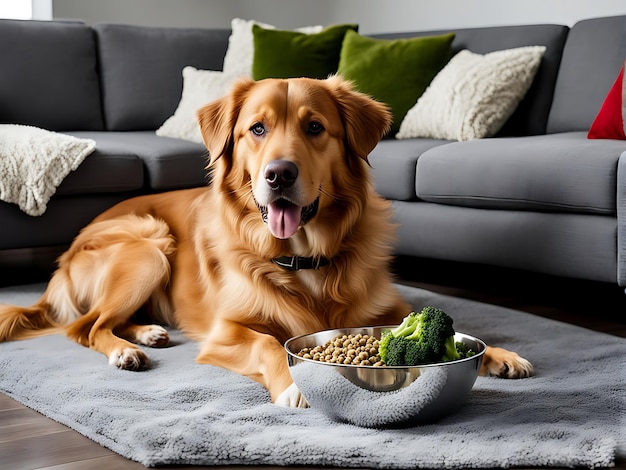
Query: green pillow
[[286, 54], [394, 71]]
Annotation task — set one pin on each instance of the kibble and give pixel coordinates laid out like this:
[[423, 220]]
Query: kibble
[[357, 350]]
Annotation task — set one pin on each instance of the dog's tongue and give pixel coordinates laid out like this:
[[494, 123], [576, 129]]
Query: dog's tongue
[[283, 218]]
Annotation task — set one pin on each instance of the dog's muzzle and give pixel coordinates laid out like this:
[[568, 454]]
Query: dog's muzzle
[[282, 215]]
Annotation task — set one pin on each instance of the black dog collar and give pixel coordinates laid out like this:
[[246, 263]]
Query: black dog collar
[[296, 263]]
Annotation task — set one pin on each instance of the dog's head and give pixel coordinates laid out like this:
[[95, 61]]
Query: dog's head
[[291, 143]]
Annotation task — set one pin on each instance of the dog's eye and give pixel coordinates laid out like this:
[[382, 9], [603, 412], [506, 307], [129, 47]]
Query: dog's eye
[[258, 129], [315, 128]]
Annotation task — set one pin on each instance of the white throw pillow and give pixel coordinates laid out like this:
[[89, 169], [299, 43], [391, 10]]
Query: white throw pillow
[[200, 87], [473, 95], [240, 53], [34, 162]]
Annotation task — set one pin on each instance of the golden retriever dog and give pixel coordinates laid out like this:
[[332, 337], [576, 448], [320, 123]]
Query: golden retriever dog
[[288, 238]]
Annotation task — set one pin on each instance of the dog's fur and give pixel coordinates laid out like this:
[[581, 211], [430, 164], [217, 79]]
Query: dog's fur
[[201, 259]]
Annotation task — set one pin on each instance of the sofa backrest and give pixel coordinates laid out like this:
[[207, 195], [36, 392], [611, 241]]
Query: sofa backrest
[[48, 75], [593, 55], [531, 115], [141, 70]]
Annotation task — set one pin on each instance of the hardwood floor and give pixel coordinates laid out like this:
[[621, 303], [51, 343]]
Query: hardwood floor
[[29, 440]]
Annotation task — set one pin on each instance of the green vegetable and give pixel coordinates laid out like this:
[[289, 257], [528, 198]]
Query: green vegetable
[[422, 338], [463, 350]]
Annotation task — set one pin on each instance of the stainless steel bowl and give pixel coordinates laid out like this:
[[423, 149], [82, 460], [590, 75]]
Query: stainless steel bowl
[[386, 396]]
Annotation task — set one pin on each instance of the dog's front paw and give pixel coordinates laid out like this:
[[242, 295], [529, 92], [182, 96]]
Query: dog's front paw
[[129, 359], [154, 336], [292, 397], [506, 364]]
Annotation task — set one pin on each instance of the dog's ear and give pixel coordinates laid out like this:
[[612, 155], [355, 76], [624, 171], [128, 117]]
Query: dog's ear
[[366, 120], [217, 119]]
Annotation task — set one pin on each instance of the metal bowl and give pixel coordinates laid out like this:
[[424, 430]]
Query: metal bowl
[[374, 396]]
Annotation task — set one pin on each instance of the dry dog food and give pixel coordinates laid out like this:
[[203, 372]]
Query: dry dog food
[[357, 350]]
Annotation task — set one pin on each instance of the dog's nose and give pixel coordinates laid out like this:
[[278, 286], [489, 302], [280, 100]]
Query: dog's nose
[[280, 174]]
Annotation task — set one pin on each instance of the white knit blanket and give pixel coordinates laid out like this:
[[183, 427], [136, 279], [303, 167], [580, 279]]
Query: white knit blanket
[[34, 162]]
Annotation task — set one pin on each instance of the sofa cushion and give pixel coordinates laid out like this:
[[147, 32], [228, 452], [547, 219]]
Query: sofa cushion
[[167, 163], [393, 166], [556, 172], [287, 54], [563, 244], [48, 75], [141, 70], [592, 57], [111, 168], [396, 71], [531, 115]]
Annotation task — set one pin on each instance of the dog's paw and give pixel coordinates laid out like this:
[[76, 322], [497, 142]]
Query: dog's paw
[[292, 397], [154, 336], [499, 362], [129, 359]]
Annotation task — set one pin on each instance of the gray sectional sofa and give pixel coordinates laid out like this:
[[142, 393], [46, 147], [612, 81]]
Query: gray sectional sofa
[[539, 196]]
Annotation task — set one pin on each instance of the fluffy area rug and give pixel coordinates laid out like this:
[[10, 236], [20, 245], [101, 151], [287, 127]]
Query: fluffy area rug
[[571, 413]]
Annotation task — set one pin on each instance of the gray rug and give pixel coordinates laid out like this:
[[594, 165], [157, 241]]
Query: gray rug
[[572, 413]]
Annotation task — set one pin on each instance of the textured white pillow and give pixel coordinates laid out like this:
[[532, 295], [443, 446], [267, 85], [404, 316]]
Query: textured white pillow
[[240, 53], [34, 162], [200, 87], [473, 95]]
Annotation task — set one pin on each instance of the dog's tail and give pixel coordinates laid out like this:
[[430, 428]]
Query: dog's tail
[[51, 314], [27, 322]]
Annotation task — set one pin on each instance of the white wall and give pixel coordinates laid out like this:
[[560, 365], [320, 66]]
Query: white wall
[[42, 9], [409, 15], [372, 15], [184, 13], [196, 13]]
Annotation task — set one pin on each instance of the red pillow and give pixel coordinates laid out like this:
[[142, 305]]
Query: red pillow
[[609, 123]]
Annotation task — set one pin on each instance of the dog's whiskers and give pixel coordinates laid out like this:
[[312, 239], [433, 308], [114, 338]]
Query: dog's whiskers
[[243, 195], [330, 196], [241, 192]]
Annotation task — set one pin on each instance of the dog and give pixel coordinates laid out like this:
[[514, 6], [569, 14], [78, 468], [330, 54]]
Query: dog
[[288, 238]]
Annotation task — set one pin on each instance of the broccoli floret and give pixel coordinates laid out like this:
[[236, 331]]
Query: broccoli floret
[[394, 348], [434, 329], [421, 338], [408, 325], [451, 352], [401, 351], [385, 337], [463, 350], [416, 353]]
